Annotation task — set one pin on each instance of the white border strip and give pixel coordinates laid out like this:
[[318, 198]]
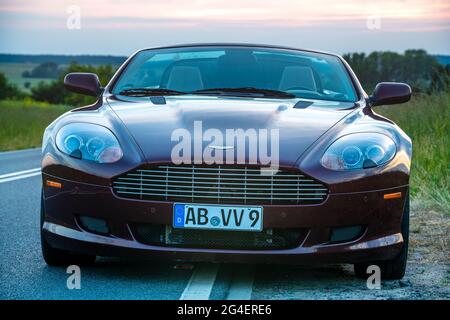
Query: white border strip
[[201, 282]]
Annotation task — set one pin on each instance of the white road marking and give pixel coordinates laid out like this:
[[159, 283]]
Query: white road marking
[[201, 282], [242, 284], [7, 175], [19, 175]]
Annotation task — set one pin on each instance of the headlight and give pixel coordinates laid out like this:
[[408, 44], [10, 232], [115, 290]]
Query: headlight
[[89, 141], [359, 150]]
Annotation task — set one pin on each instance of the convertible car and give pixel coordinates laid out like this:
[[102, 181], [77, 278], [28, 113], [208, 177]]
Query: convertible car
[[115, 181]]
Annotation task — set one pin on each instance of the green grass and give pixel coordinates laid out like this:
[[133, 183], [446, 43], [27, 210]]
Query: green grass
[[22, 123], [426, 119]]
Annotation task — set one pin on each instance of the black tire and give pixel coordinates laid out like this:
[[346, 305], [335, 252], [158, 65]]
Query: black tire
[[57, 257], [391, 269]]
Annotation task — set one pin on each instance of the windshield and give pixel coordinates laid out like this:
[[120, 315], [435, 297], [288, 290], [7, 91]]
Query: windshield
[[236, 71]]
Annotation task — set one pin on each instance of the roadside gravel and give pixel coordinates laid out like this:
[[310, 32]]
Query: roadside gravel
[[427, 275]]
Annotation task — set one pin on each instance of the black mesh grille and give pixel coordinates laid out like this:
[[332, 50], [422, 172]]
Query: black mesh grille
[[162, 235], [219, 184]]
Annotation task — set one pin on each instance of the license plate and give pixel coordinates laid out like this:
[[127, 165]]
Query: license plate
[[203, 216]]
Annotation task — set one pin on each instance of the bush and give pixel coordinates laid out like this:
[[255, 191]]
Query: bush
[[54, 92], [44, 70], [8, 90]]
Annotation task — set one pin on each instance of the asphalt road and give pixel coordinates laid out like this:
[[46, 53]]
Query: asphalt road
[[24, 274]]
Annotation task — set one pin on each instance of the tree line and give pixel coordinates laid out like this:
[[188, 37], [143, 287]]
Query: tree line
[[415, 67]]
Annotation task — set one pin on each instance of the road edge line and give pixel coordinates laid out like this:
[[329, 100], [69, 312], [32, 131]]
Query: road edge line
[[17, 173], [201, 282], [20, 177]]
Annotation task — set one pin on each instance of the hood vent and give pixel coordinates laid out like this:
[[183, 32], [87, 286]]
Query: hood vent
[[160, 100]]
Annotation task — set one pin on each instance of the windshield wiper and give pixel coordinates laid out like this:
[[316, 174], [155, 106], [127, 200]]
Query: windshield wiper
[[246, 91], [243, 92], [147, 92]]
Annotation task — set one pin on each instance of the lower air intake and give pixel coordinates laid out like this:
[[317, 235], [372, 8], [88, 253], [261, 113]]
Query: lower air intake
[[268, 239]]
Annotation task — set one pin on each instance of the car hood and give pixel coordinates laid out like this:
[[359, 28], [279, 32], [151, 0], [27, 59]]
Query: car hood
[[152, 125]]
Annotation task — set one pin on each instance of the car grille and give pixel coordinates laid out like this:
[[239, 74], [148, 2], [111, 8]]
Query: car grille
[[218, 184], [162, 235]]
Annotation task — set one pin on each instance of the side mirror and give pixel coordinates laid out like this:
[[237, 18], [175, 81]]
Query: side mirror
[[83, 83], [390, 93]]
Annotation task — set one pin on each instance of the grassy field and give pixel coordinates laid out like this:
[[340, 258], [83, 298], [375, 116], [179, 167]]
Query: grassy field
[[22, 123], [425, 119]]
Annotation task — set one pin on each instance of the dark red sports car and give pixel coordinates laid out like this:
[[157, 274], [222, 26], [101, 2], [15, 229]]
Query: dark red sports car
[[228, 152]]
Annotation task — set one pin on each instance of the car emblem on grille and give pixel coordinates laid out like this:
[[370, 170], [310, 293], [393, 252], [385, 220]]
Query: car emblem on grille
[[221, 147]]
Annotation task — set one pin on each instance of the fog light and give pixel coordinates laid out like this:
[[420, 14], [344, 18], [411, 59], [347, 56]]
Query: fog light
[[346, 234], [94, 225]]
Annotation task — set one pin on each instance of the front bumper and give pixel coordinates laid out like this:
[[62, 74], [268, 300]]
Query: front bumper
[[380, 218]]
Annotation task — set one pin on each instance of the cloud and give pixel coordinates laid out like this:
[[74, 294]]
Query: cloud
[[230, 11], [327, 24]]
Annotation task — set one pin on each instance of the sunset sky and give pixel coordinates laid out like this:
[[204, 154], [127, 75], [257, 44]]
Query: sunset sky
[[120, 27]]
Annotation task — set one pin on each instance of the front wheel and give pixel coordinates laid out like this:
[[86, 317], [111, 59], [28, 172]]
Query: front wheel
[[391, 269], [58, 257]]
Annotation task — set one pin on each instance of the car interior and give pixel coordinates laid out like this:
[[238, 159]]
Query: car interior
[[305, 77], [241, 69]]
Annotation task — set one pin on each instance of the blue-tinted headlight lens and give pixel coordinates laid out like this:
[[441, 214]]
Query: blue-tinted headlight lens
[[89, 141], [73, 142], [351, 156], [358, 151], [95, 146]]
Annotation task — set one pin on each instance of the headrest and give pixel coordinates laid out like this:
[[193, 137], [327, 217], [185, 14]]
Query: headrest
[[297, 76], [185, 79]]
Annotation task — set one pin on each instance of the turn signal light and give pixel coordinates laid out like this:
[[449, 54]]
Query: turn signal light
[[395, 195], [53, 184]]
